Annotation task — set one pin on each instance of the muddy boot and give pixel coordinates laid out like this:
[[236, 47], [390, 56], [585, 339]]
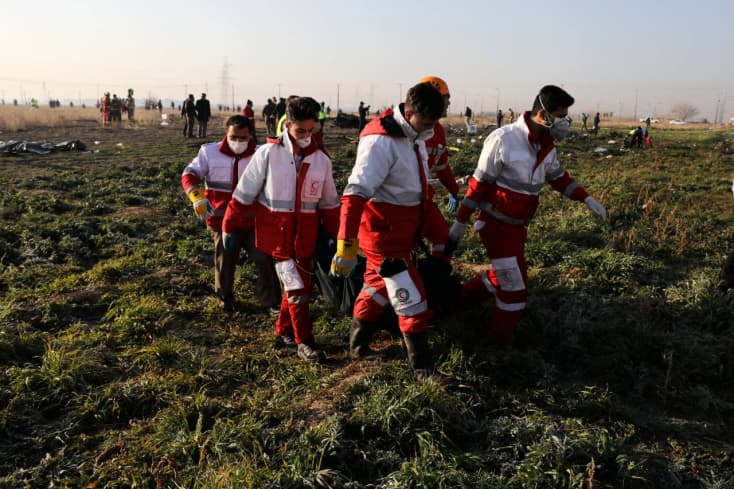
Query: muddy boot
[[360, 334], [421, 359]]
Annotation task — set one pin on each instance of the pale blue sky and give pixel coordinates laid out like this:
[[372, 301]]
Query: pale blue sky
[[603, 53]]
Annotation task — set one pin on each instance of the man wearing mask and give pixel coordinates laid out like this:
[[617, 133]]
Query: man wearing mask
[[515, 163], [289, 188], [219, 166], [383, 209]]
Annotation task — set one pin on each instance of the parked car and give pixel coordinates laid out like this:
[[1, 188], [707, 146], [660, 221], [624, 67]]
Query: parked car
[[677, 122]]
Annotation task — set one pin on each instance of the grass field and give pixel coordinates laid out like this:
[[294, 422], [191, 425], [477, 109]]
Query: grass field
[[119, 370]]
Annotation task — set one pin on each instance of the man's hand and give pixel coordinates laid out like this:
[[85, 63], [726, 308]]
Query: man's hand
[[453, 203], [345, 258], [596, 207], [456, 232], [202, 207]]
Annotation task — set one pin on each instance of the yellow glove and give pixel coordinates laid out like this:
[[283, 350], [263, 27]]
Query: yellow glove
[[202, 207], [345, 258]]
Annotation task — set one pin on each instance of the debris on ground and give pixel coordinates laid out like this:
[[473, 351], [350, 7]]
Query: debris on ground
[[39, 147]]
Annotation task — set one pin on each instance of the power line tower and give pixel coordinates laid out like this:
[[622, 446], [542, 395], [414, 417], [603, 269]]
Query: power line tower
[[224, 82]]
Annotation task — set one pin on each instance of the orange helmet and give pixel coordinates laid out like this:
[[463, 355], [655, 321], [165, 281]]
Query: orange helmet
[[437, 82]]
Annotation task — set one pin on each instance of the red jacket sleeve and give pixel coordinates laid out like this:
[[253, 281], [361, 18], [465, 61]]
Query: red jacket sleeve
[[476, 193], [568, 187], [330, 220], [446, 176], [238, 217], [188, 181], [351, 215]]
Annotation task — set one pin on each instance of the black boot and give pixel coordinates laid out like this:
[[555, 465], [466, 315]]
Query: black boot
[[419, 355], [421, 359], [360, 334]]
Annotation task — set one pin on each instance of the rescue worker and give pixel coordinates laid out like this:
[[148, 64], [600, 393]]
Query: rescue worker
[[218, 166], [515, 163], [105, 109], [436, 229], [383, 208], [289, 187], [248, 112], [511, 114], [130, 104]]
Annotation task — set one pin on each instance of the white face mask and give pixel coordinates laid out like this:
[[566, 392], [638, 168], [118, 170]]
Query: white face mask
[[559, 128], [237, 147], [304, 142]]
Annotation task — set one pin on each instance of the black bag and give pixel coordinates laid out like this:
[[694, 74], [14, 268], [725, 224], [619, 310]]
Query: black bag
[[341, 292]]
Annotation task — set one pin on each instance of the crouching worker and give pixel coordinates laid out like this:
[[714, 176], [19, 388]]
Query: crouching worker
[[289, 187], [218, 166], [383, 210], [516, 161]]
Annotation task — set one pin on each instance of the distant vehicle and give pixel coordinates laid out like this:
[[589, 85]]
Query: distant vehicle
[[677, 122], [652, 121]]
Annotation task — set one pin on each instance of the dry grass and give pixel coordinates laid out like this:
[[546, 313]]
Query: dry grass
[[19, 118]]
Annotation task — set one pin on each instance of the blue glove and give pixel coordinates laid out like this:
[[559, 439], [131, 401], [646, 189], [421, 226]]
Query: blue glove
[[229, 241], [453, 203]]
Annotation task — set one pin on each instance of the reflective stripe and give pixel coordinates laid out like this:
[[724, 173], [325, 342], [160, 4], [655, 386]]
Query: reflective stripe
[[413, 310], [309, 205], [569, 190], [298, 299], [483, 177], [504, 306], [489, 208], [405, 198], [191, 171], [531, 188], [276, 205], [220, 186], [487, 284], [471, 204], [352, 189], [378, 298], [240, 195]]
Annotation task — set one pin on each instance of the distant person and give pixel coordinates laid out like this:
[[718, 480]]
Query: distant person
[[130, 104], [218, 167], [647, 121], [322, 116], [511, 113], [515, 163], [279, 109], [500, 116], [269, 116], [249, 112], [116, 110], [467, 117], [188, 113], [363, 111], [597, 120], [289, 188], [636, 137], [160, 105], [584, 120], [104, 107], [173, 105], [203, 114]]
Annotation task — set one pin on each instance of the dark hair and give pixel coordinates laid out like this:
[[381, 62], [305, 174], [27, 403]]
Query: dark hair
[[302, 108], [425, 101], [240, 122], [553, 98]]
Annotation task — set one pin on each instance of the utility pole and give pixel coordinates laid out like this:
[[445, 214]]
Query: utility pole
[[635, 113], [337, 98], [716, 114]]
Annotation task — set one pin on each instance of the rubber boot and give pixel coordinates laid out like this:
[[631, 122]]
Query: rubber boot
[[421, 359], [360, 334]]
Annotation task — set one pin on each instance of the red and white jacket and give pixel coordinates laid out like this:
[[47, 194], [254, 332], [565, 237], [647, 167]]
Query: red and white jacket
[[383, 202], [513, 167], [288, 205], [220, 170], [438, 160]]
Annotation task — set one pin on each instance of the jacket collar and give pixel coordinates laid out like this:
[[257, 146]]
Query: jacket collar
[[404, 124]]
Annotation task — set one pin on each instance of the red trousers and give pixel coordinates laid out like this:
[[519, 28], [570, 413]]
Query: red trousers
[[294, 319], [374, 297], [506, 278]]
